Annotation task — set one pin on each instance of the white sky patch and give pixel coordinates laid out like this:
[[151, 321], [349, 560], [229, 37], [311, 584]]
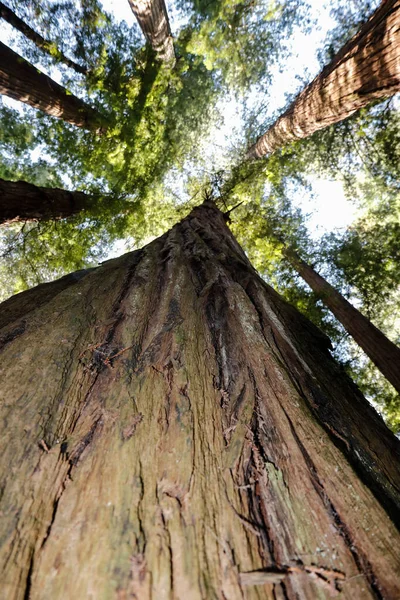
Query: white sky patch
[[120, 9], [327, 206]]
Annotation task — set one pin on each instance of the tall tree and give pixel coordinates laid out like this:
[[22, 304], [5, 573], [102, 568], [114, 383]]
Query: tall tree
[[383, 353], [365, 69], [8, 15], [24, 82], [152, 17], [177, 447], [23, 201]]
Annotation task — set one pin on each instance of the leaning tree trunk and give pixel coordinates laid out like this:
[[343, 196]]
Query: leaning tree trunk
[[383, 353], [171, 428], [367, 68], [8, 15], [152, 17], [22, 81], [23, 201]]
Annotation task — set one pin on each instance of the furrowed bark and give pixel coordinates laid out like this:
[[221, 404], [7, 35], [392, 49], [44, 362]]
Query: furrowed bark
[[383, 353], [22, 81], [367, 68], [8, 15], [23, 201], [171, 428], [152, 17]]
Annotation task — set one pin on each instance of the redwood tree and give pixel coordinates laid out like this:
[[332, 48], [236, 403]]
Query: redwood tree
[[171, 428], [383, 353], [367, 68], [23, 201], [152, 17], [8, 15], [22, 81]]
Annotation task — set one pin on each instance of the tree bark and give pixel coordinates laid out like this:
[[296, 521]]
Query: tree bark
[[23, 201], [171, 428], [152, 17], [22, 81], [367, 68], [8, 15], [383, 353]]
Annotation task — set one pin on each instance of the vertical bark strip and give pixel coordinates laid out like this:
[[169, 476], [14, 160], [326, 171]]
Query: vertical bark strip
[[22, 81], [383, 353], [23, 201], [8, 15], [367, 68], [152, 17], [171, 428]]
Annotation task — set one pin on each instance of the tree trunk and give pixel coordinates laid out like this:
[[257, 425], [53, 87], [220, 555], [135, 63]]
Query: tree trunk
[[8, 15], [383, 353], [22, 81], [367, 68], [171, 428], [152, 17], [23, 201]]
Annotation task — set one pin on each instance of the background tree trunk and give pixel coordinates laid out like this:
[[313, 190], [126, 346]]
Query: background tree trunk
[[23, 201], [152, 17], [367, 68], [22, 81], [383, 353], [171, 428], [8, 15]]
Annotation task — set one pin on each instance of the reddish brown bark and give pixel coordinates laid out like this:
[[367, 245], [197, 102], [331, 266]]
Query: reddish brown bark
[[152, 17], [22, 81], [23, 201], [171, 428], [8, 15], [367, 68], [383, 353]]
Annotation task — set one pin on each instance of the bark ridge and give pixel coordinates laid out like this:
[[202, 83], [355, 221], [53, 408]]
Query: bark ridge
[[171, 428]]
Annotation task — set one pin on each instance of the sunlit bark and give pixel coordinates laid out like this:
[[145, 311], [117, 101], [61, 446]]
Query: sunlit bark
[[152, 17], [171, 428], [367, 68]]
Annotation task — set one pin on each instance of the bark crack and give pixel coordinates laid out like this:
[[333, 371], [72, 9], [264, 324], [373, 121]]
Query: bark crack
[[360, 560], [28, 583]]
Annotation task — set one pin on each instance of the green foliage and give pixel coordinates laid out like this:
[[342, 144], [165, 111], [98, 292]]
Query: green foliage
[[367, 255], [157, 114], [72, 28], [241, 39], [363, 151]]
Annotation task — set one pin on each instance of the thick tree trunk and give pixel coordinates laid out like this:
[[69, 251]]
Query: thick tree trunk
[[152, 17], [8, 15], [171, 428], [22, 81], [23, 201], [383, 353], [367, 68]]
